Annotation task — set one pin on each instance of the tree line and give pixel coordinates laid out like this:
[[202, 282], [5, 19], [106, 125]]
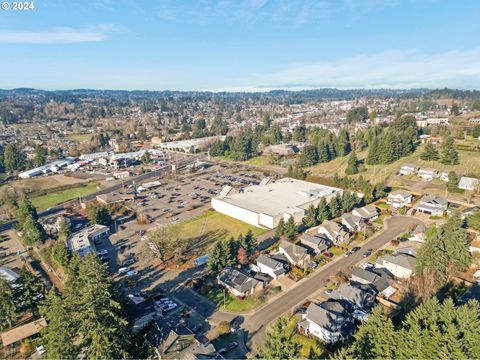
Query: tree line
[[232, 251]]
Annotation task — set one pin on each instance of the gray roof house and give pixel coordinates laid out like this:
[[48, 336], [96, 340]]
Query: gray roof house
[[469, 183], [334, 231], [408, 169], [368, 213], [377, 281], [238, 283], [428, 174], [295, 254], [329, 321], [352, 222], [271, 267], [432, 205], [318, 243], [399, 264], [399, 198], [360, 299]]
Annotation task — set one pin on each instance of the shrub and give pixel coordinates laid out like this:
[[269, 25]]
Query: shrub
[[223, 328]]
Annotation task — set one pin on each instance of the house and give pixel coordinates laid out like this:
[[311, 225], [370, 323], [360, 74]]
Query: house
[[175, 340], [469, 183], [295, 254], [433, 205], [352, 222], [8, 274], [318, 243], [367, 213], [418, 233], [238, 283], [333, 231], [374, 279], [23, 332], [427, 174], [271, 267], [399, 198], [401, 265], [408, 169], [360, 299], [329, 321]]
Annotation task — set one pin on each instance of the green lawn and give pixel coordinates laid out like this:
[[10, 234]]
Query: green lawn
[[233, 304], [47, 201], [79, 137], [214, 224]]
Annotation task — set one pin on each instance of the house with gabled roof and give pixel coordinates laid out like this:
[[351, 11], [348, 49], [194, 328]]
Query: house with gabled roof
[[318, 243], [352, 222], [360, 299], [271, 266], [329, 321], [432, 205], [333, 231], [238, 283], [367, 213], [295, 254], [399, 198]]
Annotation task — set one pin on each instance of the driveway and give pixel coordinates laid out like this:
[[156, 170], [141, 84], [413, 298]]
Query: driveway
[[256, 323]]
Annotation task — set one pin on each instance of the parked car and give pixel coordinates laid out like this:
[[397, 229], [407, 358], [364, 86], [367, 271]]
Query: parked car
[[123, 270], [348, 253], [367, 253], [132, 273], [327, 254], [355, 249], [102, 252]]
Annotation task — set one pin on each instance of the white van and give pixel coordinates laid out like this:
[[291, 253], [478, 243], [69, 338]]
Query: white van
[[124, 270]]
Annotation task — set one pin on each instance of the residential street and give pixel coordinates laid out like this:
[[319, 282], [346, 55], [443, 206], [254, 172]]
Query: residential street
[[256, 323]]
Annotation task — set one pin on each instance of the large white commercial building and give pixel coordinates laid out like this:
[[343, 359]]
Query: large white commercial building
[[265, 204], [83, 241], [52, 167]]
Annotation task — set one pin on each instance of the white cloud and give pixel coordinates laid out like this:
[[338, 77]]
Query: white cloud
[[59, 35], [394, 69]]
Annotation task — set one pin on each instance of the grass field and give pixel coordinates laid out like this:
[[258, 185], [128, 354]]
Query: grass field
[[47, 201], [469, 165], [214, 224], [79, 137]]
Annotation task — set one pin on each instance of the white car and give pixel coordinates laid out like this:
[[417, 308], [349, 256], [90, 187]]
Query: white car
[[123, 270], [169, 307], [132, 273], [41, 350], [103, 252]]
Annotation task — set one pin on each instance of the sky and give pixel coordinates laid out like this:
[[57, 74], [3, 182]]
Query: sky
[[241, 45]]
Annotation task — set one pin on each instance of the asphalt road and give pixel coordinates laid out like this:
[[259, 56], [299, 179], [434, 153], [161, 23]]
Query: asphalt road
[[256, 323], [56, 209]]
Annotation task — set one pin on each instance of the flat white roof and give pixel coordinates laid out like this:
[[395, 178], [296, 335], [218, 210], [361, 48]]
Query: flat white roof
[[282, 196]]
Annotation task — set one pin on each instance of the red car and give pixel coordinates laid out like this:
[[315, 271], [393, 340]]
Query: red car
[[327, 254]]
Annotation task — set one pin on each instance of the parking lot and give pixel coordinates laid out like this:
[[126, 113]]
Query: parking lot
[[171, 200]]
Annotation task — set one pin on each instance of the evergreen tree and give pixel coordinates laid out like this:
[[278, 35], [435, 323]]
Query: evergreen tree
[[60, 332], [310, 219], [98, 214], [250, 243], [146, 158], [31, 290], [25, 209], [97, 312], [32, 231], [280, 230], [323, 210], [449, 154], [430, 153], [280, 343], [335, 206], [349, 201], [219, 256], [217, 148], [453, 181], [375, 338], [60, 254], [309, 156], [290, 228], [13, 158], [373, 152], [8, 310], [64, 230], [352, 166]]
